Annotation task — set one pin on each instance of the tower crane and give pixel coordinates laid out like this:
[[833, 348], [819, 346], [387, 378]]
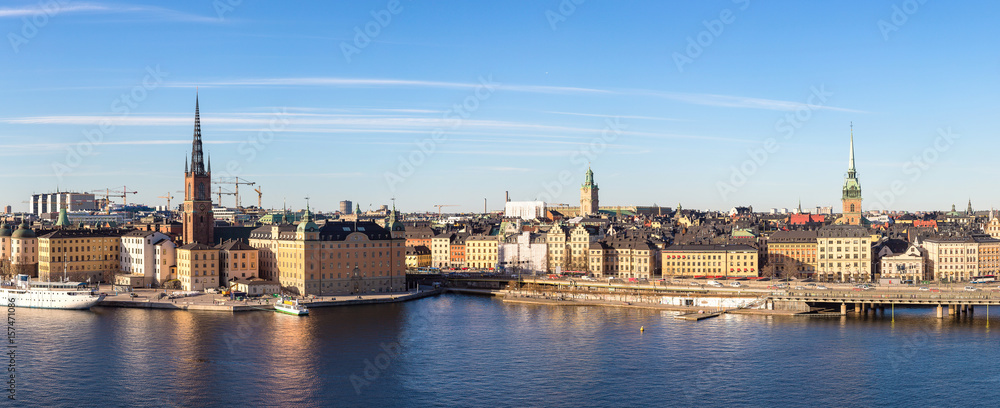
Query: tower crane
[[168, 197], [108, 193], [222, 193], [260, 196], [443, 205], [237, 182]]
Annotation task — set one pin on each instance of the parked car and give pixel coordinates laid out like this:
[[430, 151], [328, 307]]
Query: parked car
[[924, 289], [821, 287], [693, 283], [971, 288], [735, 284], [800, 288]]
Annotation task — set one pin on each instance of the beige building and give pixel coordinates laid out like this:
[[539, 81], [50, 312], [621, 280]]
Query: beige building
[[80, 255], [482, 252], [952, 259], [624, 258], [710, 260], [198, 267], [904, 267], [239, 261], [845, 254], [441, 250], [337, 258], [988, 254], [24, 255], [255, 286]]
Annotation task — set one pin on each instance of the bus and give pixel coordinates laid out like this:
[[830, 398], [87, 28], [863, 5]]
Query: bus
[[984, 279]]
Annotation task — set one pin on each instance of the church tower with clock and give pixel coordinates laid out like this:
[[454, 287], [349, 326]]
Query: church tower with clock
[[199, 221]]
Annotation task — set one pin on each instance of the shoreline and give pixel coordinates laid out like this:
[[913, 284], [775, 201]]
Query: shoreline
[[249, 307], [689, 309]]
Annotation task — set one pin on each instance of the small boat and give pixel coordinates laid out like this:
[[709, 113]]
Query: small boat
[[291, 307]]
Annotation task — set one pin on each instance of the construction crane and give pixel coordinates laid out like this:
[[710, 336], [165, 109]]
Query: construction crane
[[221, 193], [260, 196], [168, 197], [108, 193], [443, 205], [237, 182]]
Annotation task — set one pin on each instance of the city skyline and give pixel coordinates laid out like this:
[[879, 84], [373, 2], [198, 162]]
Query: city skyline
[[516, 94]]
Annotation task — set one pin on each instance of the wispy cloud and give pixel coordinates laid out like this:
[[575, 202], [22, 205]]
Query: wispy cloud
[[716, 100], [151, 12], [597, 115], [730, 101], [383, 82]]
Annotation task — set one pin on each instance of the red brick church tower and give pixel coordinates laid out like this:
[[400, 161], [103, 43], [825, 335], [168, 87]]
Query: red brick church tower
[[199, 221]]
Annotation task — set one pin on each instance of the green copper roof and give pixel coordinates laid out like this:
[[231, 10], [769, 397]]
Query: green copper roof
[[23, 231], [63, 219]]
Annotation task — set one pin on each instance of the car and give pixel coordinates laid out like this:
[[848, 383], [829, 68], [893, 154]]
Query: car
[[821, 287], [693, 283], [735, 284], [714, 284], [971, 288], [924, 289], [132, 294], [800, 288], [810, 285]]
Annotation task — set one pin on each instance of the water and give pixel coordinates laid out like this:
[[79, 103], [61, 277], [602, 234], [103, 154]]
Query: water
[[463, 351]]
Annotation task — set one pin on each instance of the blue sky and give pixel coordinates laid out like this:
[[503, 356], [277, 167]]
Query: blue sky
[[616, 85]]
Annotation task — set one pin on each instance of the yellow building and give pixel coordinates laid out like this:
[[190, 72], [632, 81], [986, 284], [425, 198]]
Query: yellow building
[[482, 252], [623, 258], [711, 260], [239, 261], [198, 267], [845, 254], [80, 255], [418, 257], [792, 253], [337, 258]]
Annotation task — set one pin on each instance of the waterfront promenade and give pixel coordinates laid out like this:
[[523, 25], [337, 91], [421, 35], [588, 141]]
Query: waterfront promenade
[[800, 297], [155, 299]]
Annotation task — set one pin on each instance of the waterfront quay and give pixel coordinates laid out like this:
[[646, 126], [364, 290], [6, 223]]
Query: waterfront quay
[[157, 299], [760, 297]]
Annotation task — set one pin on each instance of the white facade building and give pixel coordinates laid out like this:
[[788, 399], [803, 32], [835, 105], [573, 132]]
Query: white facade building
[[53, 202], [524, 252], [147, 253], [525, 210]]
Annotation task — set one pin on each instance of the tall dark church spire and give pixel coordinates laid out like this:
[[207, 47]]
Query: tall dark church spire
[[197, 156]]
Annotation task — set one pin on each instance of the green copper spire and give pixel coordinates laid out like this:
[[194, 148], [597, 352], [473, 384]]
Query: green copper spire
[[63, 221], [852, 187]]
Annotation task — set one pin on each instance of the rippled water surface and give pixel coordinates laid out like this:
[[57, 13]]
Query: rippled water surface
[[473, 351]]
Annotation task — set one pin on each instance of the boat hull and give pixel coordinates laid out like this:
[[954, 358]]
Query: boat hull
[[44, 299], [294, 312]]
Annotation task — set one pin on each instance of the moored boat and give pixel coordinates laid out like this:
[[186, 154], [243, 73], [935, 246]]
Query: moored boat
[[49, 295], [291, 307]]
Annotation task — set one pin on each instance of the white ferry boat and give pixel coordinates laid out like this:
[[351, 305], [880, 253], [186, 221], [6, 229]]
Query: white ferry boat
[[291, 307], [49, 295]]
